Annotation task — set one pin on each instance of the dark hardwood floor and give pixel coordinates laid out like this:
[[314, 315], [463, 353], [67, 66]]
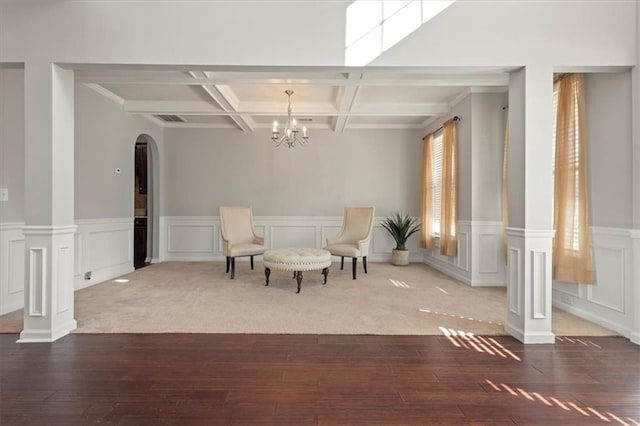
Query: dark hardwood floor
[[191, 379]]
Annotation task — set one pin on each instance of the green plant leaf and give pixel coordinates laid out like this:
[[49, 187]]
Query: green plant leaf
[[401, 226]]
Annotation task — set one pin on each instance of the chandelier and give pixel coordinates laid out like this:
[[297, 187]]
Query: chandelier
[[291, 135]]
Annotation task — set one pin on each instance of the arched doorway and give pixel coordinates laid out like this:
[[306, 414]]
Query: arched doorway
[[145, 185]]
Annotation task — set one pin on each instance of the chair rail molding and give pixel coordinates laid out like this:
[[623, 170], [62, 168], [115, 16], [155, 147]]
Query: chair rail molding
[[180, 239]]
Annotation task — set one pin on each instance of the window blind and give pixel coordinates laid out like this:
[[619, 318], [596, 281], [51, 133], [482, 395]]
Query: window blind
[[437, 179]]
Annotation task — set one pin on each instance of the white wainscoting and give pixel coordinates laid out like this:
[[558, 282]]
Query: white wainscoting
[[12, 267], [197, 238], [480, 259], [103, 247], [608, 302]]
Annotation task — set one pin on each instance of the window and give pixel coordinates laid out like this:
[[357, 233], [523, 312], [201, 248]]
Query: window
[[436, 171], [373, 26]]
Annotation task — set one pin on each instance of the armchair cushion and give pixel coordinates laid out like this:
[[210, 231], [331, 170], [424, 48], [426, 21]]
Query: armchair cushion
[[245, 249], [346, 250]]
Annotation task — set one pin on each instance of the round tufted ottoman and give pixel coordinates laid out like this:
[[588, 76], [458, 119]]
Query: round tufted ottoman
[[297, 260]]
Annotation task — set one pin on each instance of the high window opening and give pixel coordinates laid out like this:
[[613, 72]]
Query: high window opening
[[373, 26]]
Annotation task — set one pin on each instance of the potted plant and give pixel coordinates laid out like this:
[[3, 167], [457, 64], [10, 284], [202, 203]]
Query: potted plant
[[401, 227]]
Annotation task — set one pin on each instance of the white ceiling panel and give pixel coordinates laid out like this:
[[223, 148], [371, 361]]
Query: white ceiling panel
[[158, 92], [208, 119], [407, 93], [275, 93], [398, 120]]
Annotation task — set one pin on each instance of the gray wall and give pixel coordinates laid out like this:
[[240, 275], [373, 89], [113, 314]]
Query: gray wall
[[208, 168], [516, 179], [488, 147], [12, 143], [609, 149], [105, 137]]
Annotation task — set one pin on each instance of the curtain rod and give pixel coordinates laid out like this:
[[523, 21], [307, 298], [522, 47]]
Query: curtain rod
[[455, 118]]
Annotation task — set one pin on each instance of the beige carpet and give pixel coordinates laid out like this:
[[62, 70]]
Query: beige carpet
[[198, 297]]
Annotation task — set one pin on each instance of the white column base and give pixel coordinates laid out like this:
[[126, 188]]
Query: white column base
[[529, 291], [49, 283], [43, 336], [530, 337]]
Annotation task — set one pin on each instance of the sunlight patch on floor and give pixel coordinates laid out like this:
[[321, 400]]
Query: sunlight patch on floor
[[577, 341], [400, 284], [427, 311], [564, 405], [465, 340]]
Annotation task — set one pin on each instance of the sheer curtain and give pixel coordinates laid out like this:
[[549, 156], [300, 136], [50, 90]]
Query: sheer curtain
[[427, 237], [449, 191], [505, 192], [571, 245]]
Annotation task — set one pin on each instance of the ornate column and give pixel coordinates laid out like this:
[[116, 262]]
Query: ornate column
[[49, 190]]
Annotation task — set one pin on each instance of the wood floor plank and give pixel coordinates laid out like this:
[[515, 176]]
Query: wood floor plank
[[317, 380]]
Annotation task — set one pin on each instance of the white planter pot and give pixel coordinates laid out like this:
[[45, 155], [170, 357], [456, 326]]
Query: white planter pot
[[399, 257]]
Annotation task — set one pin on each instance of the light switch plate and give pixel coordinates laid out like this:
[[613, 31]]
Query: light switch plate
[[4, 194]]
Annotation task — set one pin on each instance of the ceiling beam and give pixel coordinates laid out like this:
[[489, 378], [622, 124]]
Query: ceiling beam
[[327, 109], [424, 80], [347, 96], [244, 122]]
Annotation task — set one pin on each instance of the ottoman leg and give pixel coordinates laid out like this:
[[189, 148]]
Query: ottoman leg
[[341, 263], [325, 272], [267, 272], [294, 274], [299, 280]]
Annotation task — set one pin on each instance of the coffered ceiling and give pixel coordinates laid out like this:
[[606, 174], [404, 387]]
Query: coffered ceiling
[[249, 100]]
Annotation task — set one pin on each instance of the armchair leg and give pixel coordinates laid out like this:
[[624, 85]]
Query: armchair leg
[[355, 262], [341, 263], [252, 263], [233, 267], [228, 261], [364, 263]]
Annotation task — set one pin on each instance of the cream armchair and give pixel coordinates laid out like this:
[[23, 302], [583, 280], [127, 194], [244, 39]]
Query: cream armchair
[[355, 237], [238, 236]]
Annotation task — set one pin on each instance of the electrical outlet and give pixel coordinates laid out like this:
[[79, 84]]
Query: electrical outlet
[[4, 194]]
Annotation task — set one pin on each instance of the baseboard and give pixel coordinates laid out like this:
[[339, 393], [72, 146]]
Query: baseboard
[[487, 283], [446, 269], [102, 275], [622, 330]]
